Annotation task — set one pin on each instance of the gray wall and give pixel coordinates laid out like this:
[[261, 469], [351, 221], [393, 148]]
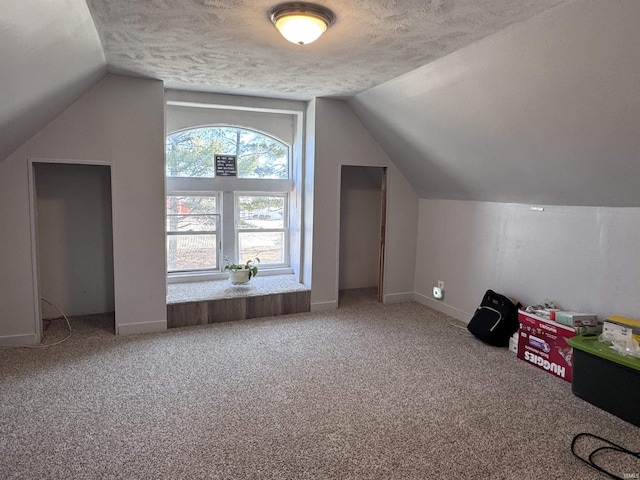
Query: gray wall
[[341, 139], [544, 112], [360, 203], [119, 122], [279, 125], [307, 202], [583, 258], [75, 238]]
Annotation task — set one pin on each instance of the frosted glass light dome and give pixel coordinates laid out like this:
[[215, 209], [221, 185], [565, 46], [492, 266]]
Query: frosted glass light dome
[[301, 29], [301, 23]]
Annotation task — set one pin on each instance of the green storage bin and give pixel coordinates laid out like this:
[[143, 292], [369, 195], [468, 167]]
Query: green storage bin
[[606, 379]]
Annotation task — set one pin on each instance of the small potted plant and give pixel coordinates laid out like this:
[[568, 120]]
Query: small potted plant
[[241, 273]]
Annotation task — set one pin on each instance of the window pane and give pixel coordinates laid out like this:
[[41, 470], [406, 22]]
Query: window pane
[[267, 246], [191, 223], [191, 153], [261, 211], [195, 214], [191, 205], [191, 252], [262, 157]]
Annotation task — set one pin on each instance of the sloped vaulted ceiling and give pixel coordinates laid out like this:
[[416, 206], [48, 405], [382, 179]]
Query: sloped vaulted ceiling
[[547, 111], [50, 54]]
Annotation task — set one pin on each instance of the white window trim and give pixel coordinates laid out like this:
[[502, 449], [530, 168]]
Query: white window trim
[[286, 229], [293, 186], [217, 231], [226, 189], [200, 186], [205, 276]]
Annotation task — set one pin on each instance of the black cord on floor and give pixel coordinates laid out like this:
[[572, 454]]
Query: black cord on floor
[[590, 460]]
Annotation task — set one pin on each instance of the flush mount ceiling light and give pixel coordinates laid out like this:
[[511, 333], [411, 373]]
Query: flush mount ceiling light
[[301, 23]]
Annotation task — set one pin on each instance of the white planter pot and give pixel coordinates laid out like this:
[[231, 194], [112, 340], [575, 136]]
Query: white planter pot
[[239, 277]]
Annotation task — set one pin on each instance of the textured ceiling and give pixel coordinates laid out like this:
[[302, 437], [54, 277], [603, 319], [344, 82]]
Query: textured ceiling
[[231, 46]]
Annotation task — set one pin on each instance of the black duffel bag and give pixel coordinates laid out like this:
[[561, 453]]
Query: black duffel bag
[[495, 320]]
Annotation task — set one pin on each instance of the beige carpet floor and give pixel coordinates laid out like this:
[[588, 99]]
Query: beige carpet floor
[[368, 391]]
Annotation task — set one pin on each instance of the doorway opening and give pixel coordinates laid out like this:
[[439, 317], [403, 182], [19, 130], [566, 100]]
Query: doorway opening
[[363, 199], [73, 235]]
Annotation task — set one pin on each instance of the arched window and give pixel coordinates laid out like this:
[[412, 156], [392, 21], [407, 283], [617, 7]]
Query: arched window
[[191, 153], [241, 216]]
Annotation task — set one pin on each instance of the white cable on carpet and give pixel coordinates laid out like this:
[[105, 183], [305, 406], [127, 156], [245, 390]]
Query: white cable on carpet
[[462, 328], [458, 326], [49, 344]]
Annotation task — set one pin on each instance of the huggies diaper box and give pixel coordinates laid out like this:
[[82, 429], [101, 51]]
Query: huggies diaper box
[[543, 343]]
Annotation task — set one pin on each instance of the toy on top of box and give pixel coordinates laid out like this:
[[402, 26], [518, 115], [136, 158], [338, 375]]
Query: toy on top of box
[[543, 343], [623, 326], [582, 322], [575, 319]]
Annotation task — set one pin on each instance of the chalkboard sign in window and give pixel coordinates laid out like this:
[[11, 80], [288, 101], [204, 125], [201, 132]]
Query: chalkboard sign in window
[[226, 165]]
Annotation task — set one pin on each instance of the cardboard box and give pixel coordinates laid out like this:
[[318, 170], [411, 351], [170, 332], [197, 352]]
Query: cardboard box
[[543, 343], [575, 319], [623, 326], [513, 343]]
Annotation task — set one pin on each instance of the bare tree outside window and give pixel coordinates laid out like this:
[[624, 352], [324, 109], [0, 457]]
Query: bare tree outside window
[[194, 218], [192, 233], [190, 153]]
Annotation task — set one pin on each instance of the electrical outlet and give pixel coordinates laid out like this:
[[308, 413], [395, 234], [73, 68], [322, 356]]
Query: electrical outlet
[[440, 284]]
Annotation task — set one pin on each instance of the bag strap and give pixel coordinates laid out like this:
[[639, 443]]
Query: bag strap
[[494, 311]]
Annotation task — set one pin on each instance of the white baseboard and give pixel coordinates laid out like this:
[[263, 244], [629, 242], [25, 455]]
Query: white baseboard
[[440, 306], [141, 327], [323, 306], [398, 297], [14, 340]]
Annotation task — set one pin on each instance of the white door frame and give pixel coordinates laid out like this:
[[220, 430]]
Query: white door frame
[[33, 220], [384, 207]]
